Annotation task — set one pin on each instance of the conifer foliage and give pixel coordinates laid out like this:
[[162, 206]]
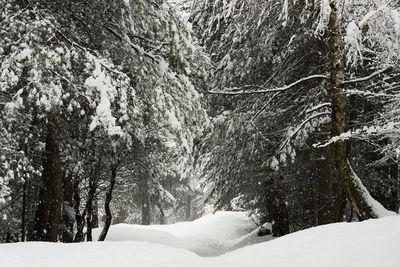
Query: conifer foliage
[[90, 90]]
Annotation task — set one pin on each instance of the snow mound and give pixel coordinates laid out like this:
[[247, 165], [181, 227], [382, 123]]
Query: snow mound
[[210, 235], [372, 243]]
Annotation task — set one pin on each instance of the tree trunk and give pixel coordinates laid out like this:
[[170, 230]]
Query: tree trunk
[[145, 208], [55, 186], [95, 215], [23, 212], [162, 214], [276, 207], [68, 231], [50, 197], [364, 205], [188, 208], [78, 216], [145, 199], [89, 209], [107, 209], [323, 186], [339, 204]]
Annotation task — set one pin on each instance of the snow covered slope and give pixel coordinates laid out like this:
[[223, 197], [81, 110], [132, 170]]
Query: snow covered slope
[[211, 235], [373, 243]]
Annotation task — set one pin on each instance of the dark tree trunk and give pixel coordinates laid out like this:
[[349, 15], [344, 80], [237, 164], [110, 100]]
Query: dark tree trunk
[[50, 197], [42, 216], [55, 186], [145, 200], [162, 214], [8, 238], [95, 215], [23, 212], [276, 207], [339, 204], [80, 224], [145, 208], [90, 199], [323, 186], [68, 231], [89, 210], [394, 172], [107, 209]]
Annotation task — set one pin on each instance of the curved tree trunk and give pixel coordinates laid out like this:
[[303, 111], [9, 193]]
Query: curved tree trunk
[[362, 202], [107, 209]]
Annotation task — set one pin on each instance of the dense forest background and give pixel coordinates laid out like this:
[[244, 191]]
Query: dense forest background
[[154, 111]]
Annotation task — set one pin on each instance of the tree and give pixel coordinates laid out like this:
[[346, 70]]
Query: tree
[[255, 45], [93, 82]]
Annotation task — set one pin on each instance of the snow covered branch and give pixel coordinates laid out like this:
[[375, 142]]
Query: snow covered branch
[[263, 108], [377, 209], [366, 131], [363, 79], [301, 126], [323, 105], [263, 90], [135, 47]]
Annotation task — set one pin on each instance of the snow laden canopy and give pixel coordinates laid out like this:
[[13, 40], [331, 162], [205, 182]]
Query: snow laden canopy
[[127, 74], [281, 85]]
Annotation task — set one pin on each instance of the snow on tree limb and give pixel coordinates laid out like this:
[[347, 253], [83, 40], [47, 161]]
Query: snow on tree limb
[[365, 131], [241, 90], [377, 208], [369, 77], [301, 126]]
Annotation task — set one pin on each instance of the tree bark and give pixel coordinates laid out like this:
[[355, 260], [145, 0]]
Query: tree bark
[[68, 231], [145, 199], [339, 204], [162, 214], [188, 208], [55, 186], [78, 216], [89, 208], [50, 197], [145, 208], [355, 192], [276, 207], [323, 184], [23, 212], [107, 209], [95, 215]]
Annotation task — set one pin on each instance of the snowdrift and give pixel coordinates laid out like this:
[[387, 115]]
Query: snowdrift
[[211, 235], [372, 243]]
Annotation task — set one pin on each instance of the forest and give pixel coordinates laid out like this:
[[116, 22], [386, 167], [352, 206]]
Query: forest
[[263, 116]]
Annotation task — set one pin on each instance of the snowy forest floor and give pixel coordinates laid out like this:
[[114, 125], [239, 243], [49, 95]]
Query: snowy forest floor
[[368, 243]]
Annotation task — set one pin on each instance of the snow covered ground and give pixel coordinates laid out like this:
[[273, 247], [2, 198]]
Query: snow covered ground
[[366, 244], [211, 235]]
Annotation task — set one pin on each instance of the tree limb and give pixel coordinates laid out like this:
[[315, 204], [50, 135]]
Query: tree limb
[[137, 48], [363, 79], [301, 126], [241, 91]]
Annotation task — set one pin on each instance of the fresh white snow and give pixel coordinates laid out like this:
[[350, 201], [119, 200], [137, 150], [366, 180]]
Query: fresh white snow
[[211, 235], [365, 244]]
